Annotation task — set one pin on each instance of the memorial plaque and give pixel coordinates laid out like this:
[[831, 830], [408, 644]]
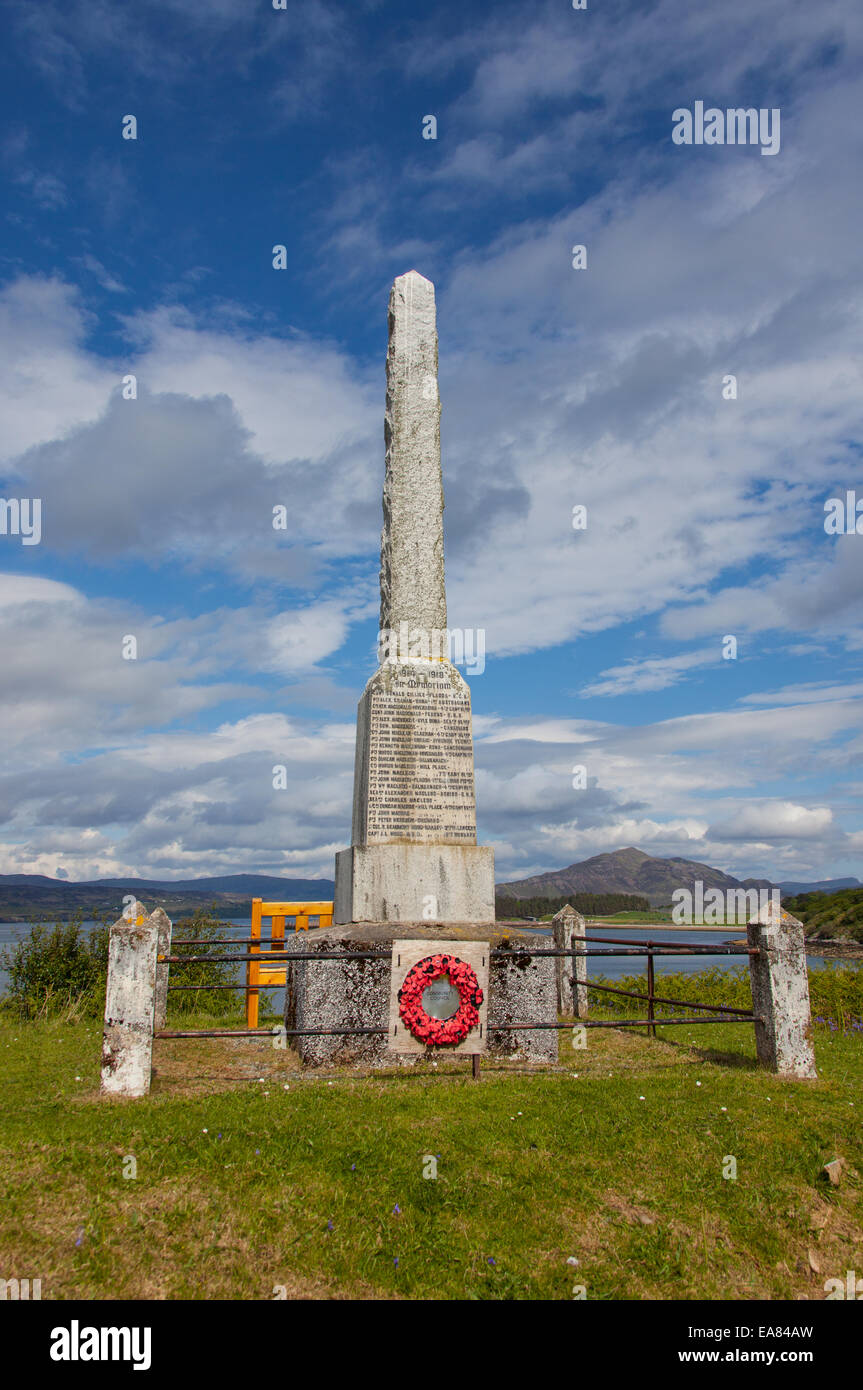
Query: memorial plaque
[[415, 760], [441, 999]]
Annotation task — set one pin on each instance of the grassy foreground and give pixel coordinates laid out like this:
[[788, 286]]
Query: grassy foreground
[[313, 1182]]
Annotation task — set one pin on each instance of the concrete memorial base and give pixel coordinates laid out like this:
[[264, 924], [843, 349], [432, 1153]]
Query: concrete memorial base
[[356, 993], [401, 883]]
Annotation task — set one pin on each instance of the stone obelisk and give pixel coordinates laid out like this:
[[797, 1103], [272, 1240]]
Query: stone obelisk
[[414, 856]]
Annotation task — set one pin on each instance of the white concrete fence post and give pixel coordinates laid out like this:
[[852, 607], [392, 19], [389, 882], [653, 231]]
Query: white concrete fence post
[[780, 993], [130, 996], [165, 926], [567, 928]]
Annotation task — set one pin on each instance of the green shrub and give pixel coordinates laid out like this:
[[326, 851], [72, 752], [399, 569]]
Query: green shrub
[[55, 970], [836, 995], [201, 928], [830, 914], [63, 969]]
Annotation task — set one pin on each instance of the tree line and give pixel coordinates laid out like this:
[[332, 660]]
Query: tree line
[[589, 904], [830, 914]]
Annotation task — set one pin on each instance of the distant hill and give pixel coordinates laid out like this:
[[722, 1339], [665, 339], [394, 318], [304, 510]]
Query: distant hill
[[825, 885], [25, 896], [830, 914], [251, 885], [626, 871]]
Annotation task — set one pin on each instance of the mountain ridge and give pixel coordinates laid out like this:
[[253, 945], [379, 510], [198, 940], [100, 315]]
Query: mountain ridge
[[35, 895], [632, 870]]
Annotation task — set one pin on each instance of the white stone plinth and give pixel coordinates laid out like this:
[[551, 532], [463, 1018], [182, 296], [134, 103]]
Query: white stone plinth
[[414, 883]]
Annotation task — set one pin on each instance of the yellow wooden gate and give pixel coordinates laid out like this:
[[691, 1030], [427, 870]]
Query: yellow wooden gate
[[267, 972]]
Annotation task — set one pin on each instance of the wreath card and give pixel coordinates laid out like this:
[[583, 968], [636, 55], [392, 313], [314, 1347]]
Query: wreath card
[[439, 996]]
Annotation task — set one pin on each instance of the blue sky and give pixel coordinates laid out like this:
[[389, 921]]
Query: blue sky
[[601, 387]]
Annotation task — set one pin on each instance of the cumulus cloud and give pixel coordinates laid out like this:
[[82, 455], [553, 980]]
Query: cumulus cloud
[[49, 383], [781, 820], [67, 686], [197, 483]]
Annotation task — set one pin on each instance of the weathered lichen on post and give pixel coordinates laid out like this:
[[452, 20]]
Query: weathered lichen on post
[[130, 997], [780, 993], [567, 927], [163, 922]]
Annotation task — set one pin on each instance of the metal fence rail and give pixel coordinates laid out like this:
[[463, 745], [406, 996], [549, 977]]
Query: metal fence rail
[[619, 946]]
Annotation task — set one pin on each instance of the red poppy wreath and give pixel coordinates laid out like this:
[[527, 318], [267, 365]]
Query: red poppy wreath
[[440, 1032]]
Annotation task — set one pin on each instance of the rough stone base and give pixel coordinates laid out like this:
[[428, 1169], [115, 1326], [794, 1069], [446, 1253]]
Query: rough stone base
[[400, 883], [356, 993]]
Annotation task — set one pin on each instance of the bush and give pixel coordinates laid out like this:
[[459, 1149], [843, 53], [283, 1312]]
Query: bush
[[201, 928], [830, 914], [56, 970], [63, 970]]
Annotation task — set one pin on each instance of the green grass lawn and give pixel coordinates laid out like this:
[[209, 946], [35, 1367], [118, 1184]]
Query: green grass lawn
[[313, 1180]]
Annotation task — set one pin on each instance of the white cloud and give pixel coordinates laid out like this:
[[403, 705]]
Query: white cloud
[[812, 692], [298, 398], [48, 382], [649, 673], [18, 589], [776, 820]]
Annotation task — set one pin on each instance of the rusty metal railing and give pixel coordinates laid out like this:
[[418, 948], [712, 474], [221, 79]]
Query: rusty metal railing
[[624, 946], [619, 946]]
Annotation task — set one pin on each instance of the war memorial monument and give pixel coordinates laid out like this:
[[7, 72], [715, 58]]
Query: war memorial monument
[[414, 871], [408, 966]]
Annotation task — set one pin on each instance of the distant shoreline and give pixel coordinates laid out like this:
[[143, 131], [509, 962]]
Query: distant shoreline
[[815, 946]]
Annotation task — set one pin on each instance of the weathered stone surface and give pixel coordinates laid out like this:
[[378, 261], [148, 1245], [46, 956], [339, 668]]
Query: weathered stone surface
[[414, 852], [412, 563], [163, 922], [523, 990], [780, 993], [127, 1039], [356, 993], [567, 928], [405, 882]]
